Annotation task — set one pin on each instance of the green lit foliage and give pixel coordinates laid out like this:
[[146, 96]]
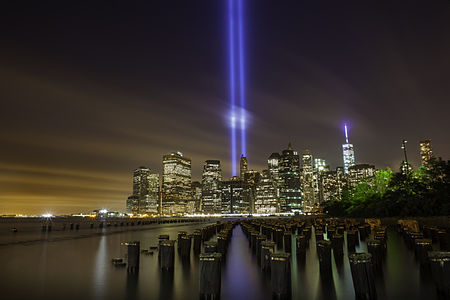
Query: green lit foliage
[[425, 192]]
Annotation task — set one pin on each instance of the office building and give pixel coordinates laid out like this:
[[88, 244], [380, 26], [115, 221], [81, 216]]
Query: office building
[[243, 167], [145, 197], [289, 185], [234, 200], [348, 153], [211, 179], [308, 181], [176, 185], [266, 198], [426, 153]]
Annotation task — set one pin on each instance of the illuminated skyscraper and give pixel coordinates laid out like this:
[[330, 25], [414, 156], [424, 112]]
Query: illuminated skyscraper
[[251, 180], [348, 153], [194, 206], [176, 186], [307, 180], [266, 200], [145, 197], [211, 179], [273, 163], [243, 167], [234, 200], [426, 153], [132, 205], [320, 166], [290, 191], [331, 184]]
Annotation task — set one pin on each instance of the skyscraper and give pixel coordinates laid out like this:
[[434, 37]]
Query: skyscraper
[[330, 185], [234, 200], [194, 205], [251, 180], [243, 167], [348, 153], [176, 186], [426, 153], [145, 197], [307, 181], [320, 166], [266, 199], [273, 163], [211, 179], [290, 191]]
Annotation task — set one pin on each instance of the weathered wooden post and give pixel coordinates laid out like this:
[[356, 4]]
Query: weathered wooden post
[[440, 270], [210, 275], [423, 246], [259, 239], [197, 242], [133, 249], [443, 240], [280, 266], [300, 245], [210, 247], [375, 248], [287, 242], [324, 254], [351, 240], [184, 244], [319, 235], [362, 275], [167, 254], [267, 248]]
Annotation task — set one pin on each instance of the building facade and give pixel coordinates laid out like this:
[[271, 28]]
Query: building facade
[[426, 153], [176, 185], [145, 197], [266, 198], [289, 185], [211, 180], [234, 200], [308, 181]]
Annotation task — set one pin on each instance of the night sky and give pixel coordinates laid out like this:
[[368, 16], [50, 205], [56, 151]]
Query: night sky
[[92, 90]]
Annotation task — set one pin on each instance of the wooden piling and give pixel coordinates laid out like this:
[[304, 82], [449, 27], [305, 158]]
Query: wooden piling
[[362, 275]]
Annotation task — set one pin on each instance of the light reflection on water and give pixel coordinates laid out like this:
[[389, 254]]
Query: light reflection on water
[[82, 269]]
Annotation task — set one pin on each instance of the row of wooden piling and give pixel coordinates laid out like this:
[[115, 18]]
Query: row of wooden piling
[[49, 226], [420, 240], [268, 235]]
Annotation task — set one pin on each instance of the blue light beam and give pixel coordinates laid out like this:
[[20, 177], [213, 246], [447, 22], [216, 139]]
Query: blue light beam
[[241, 81], [232, 88]]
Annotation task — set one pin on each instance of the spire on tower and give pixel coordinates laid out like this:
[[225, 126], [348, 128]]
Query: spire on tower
[[346, 133]]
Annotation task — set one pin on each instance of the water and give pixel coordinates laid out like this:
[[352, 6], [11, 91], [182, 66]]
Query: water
[[82, 269]]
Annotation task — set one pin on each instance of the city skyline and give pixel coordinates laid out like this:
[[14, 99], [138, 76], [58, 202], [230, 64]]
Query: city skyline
[[89, 99]]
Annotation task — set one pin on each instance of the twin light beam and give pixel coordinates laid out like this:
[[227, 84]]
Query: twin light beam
[[237, 89]]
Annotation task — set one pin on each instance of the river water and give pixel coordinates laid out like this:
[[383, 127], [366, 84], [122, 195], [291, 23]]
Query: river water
[[81, 269]]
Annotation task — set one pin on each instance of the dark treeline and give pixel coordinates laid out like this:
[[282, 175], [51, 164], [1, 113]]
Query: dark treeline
[[425, 192]]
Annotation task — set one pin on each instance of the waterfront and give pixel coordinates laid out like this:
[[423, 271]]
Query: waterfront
[[81, 268]]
